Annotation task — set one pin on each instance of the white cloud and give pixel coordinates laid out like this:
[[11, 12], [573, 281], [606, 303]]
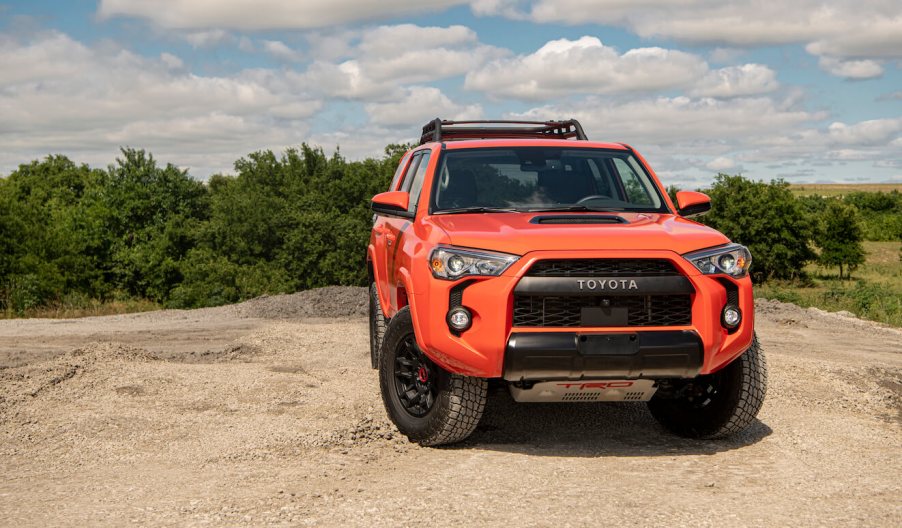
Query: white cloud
[[57, 94], [363, 141], [246, 45], [171, 61], [876, 141], [347, 80], [384, 60], [868, 32], [206, 39], [280, 50], [724, 55], [720, 163], [420, 104], [678, 120], [872, 132], [410, 54], [685, 137], [264, 14], [587, 66], [851, 69], [395, 40], [837, 28], [733, 81]]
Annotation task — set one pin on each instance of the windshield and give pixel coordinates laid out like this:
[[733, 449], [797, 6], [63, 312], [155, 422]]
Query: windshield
[[543, 178]]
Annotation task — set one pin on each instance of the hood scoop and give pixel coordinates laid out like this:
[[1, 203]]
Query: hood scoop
[[582, 219]]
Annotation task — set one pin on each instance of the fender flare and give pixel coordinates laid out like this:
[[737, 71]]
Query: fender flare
[[371, 260], [406, 281]]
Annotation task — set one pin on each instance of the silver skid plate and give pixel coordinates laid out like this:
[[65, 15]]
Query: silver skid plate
[[587, 391]]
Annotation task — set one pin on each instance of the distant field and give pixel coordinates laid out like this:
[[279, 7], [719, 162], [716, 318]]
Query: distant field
[[875, 291], [839, 189]]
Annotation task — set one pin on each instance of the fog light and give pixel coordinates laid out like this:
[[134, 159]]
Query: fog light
[[459, 318], [731, 316]]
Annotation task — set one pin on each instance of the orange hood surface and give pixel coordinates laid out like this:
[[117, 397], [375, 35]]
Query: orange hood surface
[[515, 233]]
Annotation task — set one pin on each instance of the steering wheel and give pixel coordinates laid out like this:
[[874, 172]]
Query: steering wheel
[[591, 197]]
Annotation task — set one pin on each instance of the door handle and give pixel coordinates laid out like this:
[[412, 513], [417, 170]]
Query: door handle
[[390, 239]]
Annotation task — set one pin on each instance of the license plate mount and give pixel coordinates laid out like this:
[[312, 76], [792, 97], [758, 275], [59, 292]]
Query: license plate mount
[[608, 344]]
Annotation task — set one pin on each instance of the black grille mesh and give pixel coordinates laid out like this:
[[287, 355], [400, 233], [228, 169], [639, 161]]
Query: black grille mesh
[[566, 311], [602, 268]]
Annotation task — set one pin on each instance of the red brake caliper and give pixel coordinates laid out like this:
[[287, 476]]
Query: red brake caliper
[[422, 375]]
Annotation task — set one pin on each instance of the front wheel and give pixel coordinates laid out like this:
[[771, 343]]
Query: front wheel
[[715, 405], [428, 404]]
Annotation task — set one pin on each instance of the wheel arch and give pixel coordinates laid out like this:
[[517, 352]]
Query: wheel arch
[[407, 297]]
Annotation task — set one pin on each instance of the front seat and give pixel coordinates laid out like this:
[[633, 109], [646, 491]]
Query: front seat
[[457, 189]]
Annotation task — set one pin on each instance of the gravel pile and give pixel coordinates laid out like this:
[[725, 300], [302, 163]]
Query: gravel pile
[[789, 314], [328, 302]]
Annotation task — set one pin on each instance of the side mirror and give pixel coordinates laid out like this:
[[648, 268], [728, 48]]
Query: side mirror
[[391, 203], [691, 203]]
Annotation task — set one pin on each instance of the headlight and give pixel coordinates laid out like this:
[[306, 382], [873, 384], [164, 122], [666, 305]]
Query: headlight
[[452, 263], [732, 259]]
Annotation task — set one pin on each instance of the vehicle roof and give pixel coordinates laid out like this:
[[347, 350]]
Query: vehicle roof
[[488, 143]]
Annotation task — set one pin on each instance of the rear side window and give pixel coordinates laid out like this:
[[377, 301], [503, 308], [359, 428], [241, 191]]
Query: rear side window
[[410, 172], [399, 172], [416, 183]]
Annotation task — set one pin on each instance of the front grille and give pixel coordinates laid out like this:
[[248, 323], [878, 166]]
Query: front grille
[[566, 311], [602, 268]]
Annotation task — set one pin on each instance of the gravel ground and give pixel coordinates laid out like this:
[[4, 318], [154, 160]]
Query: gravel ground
[[266, 413]]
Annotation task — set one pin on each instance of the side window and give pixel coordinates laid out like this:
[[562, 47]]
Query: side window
[[416, 185], [399, 172], [602, 178], [636, 192], [411, 172]]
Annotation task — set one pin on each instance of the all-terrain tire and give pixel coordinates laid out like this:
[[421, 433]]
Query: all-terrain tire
[[719, 404], [378, 324], [458, 402]]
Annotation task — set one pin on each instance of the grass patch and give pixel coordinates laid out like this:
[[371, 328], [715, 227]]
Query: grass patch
[[80, 307], [841, 189], [875, 291]]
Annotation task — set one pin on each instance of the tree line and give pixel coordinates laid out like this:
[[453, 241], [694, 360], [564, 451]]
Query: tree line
[[301, 219], [785, 232]]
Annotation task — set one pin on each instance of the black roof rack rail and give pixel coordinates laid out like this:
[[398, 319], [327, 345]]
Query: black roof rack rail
[[438, 130]]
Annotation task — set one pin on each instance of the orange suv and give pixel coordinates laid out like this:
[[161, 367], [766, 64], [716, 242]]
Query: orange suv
[[522, 252]]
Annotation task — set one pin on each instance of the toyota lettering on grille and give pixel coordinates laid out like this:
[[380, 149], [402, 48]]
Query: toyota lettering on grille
[[612, 284]]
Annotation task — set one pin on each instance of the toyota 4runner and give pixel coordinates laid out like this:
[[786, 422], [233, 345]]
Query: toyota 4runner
[[522, 252]]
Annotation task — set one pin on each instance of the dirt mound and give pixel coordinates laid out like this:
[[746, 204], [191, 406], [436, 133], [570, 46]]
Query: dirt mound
[[328, 302], [27, 382], [788, 314], [366, 431], [233, 352]]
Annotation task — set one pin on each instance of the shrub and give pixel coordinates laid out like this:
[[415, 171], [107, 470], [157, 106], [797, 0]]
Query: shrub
[[839, 237], [768, 219]]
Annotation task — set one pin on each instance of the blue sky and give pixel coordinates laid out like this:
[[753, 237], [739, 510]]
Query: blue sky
[[809, 91]]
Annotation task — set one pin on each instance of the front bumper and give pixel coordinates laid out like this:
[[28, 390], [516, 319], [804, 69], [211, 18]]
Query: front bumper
[[482, 349], [554, 356]]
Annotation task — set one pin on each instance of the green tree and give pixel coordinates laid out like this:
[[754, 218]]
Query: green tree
[[880, 213], [768, 219], [672, 191], [155, 218], [839, 237], [51, 233]]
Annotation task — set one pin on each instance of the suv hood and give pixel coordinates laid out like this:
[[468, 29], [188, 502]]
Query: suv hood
[[515, 233]]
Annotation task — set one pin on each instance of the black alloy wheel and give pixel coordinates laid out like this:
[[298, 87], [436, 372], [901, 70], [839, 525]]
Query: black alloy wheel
[[415, 379]]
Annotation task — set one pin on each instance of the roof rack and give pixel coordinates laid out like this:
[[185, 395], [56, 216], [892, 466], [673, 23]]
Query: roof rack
[[439, 130]]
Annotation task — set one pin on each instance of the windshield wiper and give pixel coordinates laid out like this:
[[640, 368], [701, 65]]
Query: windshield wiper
[[461, 210], [575, 207]]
